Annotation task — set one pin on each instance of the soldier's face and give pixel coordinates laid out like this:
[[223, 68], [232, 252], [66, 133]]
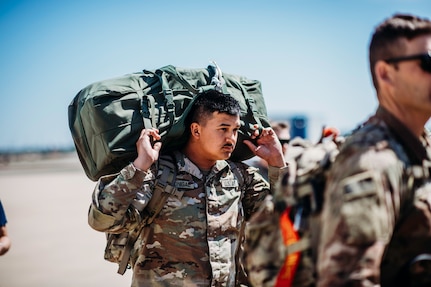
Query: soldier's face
[[218, 136], [412, 81]]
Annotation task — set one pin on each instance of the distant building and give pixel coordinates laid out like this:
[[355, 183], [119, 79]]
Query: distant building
[[299, 126]]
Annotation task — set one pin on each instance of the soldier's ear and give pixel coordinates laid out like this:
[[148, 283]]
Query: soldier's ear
[[195, 130]]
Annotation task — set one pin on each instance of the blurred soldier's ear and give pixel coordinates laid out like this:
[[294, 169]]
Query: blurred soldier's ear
[[384, 73]]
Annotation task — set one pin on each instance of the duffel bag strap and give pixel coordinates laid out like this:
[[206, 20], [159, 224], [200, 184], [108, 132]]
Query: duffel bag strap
[[217, 81], [172, 71]]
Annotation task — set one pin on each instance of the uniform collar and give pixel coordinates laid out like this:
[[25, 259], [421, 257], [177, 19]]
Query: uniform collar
[[417, 149], [186, 165]]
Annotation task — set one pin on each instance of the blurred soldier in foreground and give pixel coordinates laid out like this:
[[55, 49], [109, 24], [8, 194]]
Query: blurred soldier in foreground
[[280, 247], [376, 220]]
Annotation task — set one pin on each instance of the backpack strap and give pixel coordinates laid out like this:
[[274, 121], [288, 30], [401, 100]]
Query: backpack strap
[[237, 173], [163, 188], [298, 246]]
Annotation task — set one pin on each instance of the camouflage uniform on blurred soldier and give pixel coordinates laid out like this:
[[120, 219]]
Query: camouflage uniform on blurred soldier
[[280, 249], [376, 219], [195, 239]]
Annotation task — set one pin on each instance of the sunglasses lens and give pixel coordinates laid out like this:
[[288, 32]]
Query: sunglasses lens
[[426, 63]]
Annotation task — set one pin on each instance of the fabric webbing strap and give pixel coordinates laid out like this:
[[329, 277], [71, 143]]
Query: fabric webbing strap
[[164, 187]]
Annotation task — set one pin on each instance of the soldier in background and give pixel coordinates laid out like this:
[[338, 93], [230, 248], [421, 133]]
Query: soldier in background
[[376, 219], [5, 241]]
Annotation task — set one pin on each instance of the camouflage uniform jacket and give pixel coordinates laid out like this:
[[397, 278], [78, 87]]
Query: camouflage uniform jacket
[[194, 240], [376, 220]]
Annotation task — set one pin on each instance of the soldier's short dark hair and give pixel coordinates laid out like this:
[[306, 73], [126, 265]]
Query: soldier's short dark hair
[[387, 39], [212, 101]]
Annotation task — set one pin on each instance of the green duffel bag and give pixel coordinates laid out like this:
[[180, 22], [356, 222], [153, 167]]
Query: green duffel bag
[[106, 117]]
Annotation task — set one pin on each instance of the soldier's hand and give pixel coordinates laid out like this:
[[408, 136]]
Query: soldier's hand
[[148, 147], [268, 147]]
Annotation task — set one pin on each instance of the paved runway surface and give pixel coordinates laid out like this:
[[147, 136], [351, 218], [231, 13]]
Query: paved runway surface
[[46, 203]]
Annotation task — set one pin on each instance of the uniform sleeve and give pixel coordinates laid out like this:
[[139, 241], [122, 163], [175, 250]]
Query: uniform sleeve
[[357, 218], [118, 200], [274, 174]]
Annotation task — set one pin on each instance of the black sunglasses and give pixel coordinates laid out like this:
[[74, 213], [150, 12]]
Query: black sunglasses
[[283, 141], [425, 60]]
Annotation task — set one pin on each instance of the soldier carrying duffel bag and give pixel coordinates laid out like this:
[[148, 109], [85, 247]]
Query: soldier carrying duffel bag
[[196, 237], [106, 119]]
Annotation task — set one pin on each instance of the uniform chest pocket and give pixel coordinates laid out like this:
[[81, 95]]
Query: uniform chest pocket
[[226, 193], [364, 209]]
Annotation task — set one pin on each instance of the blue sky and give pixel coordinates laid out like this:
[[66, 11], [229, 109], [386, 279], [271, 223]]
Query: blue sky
[[310, 55]]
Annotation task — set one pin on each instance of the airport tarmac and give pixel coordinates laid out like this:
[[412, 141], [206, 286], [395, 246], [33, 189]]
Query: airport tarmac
[[46, 202]]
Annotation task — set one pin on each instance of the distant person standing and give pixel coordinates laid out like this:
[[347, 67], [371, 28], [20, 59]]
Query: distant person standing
[[5, 241], [282, 130], [376, 219]]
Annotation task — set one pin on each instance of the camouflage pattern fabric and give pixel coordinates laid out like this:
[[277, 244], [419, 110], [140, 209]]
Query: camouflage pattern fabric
[[264, 250], [194, 240], [376, 220], [300, 190]]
